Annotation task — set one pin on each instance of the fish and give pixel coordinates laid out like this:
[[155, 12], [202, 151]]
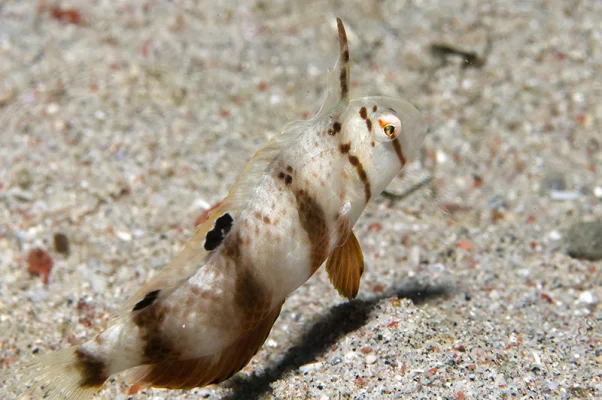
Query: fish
[[206, 314]]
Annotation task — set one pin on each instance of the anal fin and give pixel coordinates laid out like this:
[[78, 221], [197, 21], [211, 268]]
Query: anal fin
[[211, 368], [345, 267]]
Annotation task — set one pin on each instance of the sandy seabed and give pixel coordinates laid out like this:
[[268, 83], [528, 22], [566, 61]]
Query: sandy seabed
[[122, 121]]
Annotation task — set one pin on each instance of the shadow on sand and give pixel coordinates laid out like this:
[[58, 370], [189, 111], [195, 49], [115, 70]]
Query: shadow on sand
[[332, 326]]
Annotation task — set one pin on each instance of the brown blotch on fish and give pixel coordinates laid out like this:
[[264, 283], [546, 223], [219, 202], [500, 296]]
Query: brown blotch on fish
[[147, 300], [289, 169], [281, 175], [345, 147], [363, 113], [344, 88], [155, 346], [361, 172], [313, 221], [369, 124], [251, 298], [232, 246], [399, 152], [93, 370], [266, 219], [288, 179], [374, 108]]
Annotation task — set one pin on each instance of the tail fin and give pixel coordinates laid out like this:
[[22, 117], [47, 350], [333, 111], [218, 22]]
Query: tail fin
[[58, 375]]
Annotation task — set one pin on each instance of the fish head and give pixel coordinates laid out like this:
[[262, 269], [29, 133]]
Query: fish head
[[384, 134]]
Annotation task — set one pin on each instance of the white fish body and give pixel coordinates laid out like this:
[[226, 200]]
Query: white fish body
[[205, 315]]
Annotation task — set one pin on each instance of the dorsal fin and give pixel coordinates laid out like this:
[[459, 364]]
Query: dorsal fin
[[338, 77], [343, 63]]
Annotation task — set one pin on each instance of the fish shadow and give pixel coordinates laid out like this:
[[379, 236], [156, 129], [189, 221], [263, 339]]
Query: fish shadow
[[332, 326]]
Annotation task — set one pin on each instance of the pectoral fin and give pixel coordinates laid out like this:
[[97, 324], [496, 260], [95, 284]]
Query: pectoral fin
[[345, 267]]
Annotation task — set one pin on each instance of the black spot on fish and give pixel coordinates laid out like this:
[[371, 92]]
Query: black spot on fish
[[216, 236], [288, 180], [336, 127], [147, 300]]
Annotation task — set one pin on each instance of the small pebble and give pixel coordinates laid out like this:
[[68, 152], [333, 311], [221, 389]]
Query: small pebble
[[39, 263], [584, 240], [52, 108], [21, 195], [436, 268], [23, 178], [370, 359], [98, 283], [125, 236], [564, 195], [310, 367], [61, 243], [588, 298], [414, 257], [496, 202]]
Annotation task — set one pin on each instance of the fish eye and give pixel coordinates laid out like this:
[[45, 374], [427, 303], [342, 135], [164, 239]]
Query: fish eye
[[389, 130], [390, 127]]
